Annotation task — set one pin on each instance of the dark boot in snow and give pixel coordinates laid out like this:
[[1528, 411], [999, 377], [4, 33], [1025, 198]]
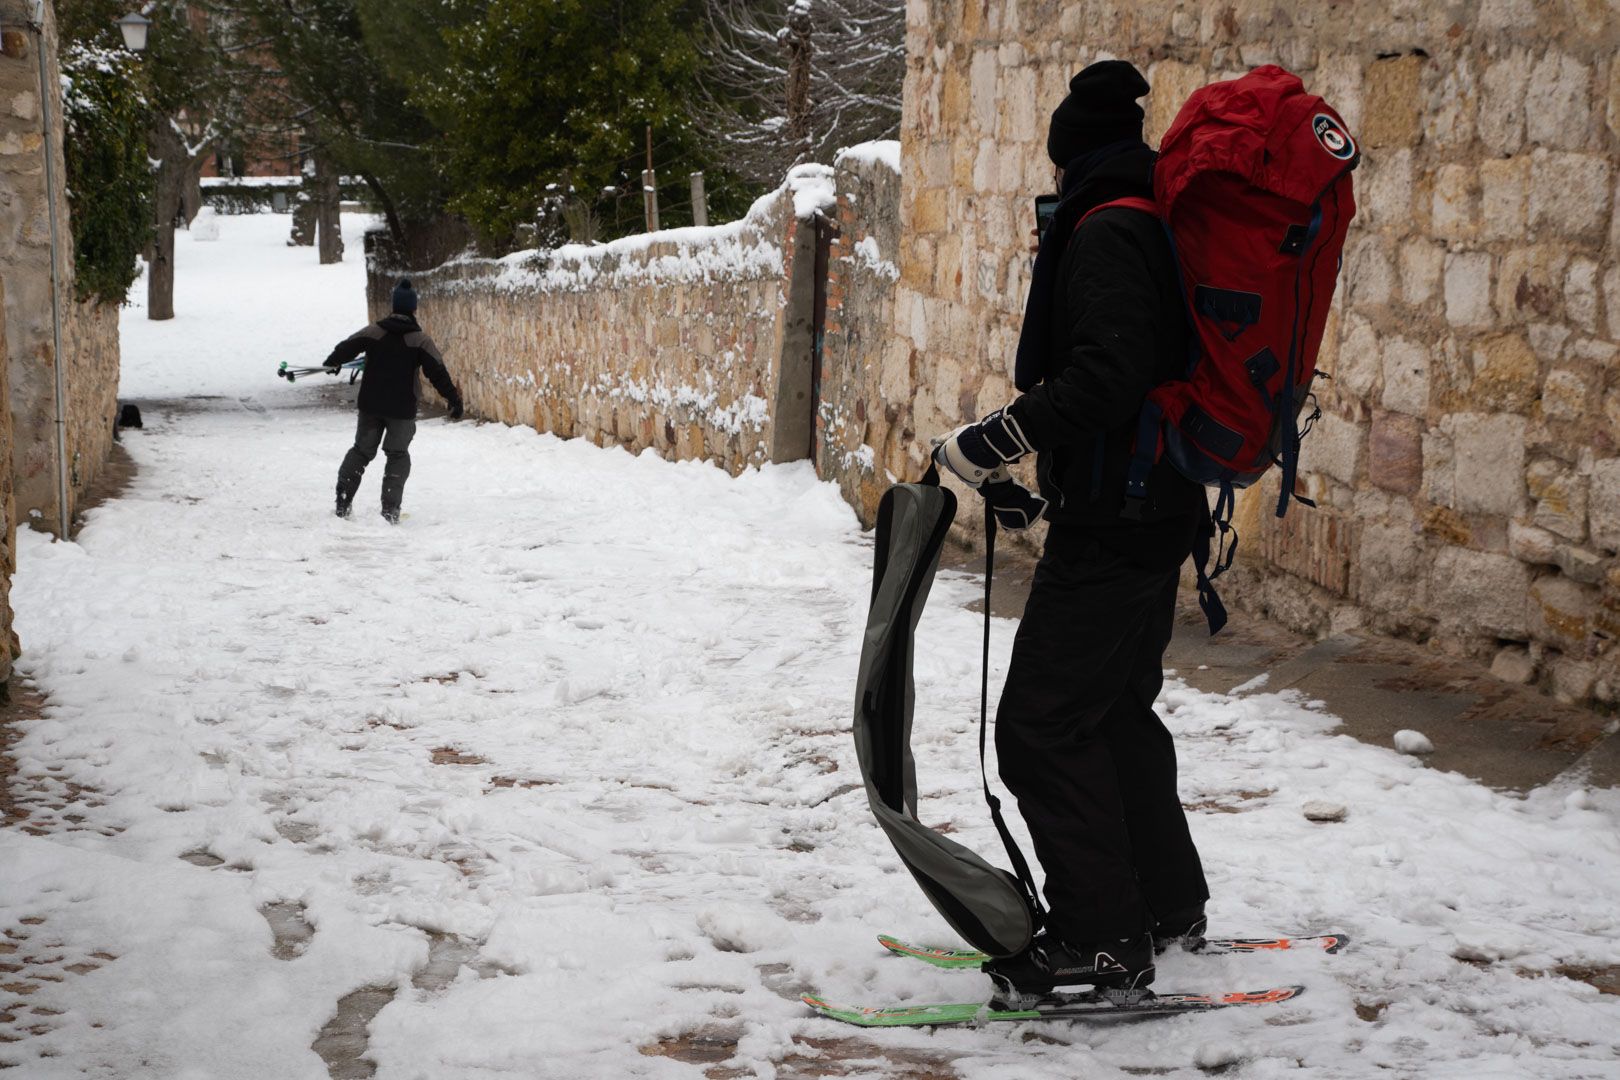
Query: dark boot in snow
[[396, 470], [1185, 927], [1050, 966], [391, 514], [342, 508]]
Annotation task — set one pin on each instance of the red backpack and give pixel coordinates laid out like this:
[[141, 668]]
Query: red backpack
[[1253, 186]]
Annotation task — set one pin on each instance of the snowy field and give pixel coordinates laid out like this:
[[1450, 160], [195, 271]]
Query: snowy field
[[562, 765]]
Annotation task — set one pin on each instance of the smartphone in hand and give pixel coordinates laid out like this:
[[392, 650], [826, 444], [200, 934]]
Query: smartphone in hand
[[1045, 211]]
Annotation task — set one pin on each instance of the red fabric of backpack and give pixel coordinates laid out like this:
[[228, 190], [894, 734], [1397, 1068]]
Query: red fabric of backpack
[[1253, 185]]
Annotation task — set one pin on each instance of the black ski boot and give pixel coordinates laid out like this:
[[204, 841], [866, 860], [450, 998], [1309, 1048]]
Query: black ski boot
[[342, 508], [391, 514], [1113, 968], [1185, 927]]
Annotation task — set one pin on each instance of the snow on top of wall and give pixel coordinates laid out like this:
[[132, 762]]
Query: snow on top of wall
[[252, 181], [746, 248], [878, 152], [813, 189]]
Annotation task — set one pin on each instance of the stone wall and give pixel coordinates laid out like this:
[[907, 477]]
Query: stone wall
[[9, 648], [863, 419], [89, 332], [1467, 464], [90, 343], [695, 342]]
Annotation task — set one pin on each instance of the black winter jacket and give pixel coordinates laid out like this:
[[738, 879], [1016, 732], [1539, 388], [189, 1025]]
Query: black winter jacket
[[1119, 329], [397, 351]]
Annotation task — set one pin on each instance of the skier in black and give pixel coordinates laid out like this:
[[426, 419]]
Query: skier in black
[[1079, 744], [396, 350]]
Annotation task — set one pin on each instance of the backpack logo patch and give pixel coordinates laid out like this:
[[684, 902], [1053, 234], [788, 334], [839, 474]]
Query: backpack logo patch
[[1334, 139]]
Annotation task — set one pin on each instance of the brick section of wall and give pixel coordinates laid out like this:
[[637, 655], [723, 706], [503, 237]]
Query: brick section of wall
[[694, 342], [89, 332], [1468, 462], [865, 440]]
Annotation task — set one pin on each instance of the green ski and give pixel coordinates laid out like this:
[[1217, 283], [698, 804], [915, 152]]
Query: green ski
[[1093, 1005]]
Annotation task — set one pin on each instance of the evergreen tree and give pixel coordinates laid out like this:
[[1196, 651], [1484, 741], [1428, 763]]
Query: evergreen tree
[[544, 106], [317, 74], [109, 175], [191, 103]]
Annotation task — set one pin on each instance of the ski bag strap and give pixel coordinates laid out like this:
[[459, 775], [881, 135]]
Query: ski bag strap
[[1020, 864]]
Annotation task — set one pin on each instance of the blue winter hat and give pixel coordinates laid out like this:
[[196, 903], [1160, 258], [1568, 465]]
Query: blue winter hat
[[404, 297]]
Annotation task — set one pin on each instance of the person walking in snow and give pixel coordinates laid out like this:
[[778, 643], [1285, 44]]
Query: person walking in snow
[[1079, 745], [397, 352]]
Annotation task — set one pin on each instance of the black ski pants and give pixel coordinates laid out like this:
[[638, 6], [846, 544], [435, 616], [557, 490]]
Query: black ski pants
[[395, 437], [1079, 745]]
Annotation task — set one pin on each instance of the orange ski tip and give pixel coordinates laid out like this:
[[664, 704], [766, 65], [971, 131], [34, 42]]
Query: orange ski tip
[[1265, 997], [897, 946]]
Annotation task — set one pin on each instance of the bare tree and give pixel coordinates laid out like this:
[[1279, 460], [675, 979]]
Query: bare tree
[[789, 81], [180, 158], [328, 202]]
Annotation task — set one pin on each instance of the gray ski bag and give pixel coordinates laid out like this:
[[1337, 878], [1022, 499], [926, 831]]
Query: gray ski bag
[[991, 908]]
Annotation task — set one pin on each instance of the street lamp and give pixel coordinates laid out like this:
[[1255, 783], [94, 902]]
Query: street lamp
[[134, 27]]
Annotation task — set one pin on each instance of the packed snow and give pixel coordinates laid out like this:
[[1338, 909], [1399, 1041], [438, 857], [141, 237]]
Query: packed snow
[[563, 763]]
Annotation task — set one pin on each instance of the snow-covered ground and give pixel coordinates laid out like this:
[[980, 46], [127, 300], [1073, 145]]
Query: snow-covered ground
[[581, 723]]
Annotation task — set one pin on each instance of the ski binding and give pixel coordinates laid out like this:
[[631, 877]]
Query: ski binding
[[973, 959]]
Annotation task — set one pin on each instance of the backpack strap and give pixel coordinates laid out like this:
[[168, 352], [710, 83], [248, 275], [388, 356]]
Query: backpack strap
[[1129, 202], [1208, 600], [1147, 436]]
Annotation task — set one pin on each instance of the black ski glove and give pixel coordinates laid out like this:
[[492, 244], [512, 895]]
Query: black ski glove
[[333, 366], [1015, 506], [455, 407]]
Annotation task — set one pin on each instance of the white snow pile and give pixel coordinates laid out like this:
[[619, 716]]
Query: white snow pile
[[866, 253], [581, 721], [1408, 741]]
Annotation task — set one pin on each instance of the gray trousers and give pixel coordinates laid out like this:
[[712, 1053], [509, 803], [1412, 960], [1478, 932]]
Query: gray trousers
[[395, 438]]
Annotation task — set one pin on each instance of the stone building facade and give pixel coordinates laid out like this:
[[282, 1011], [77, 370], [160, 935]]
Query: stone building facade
[[697, 343], [89, 331], [1467, 465]]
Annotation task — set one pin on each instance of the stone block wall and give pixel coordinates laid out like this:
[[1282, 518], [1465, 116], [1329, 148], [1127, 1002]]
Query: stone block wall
[[89, 331], [695, 342], [90, 343], [863, 420], [9, 648], [1467, 464]]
